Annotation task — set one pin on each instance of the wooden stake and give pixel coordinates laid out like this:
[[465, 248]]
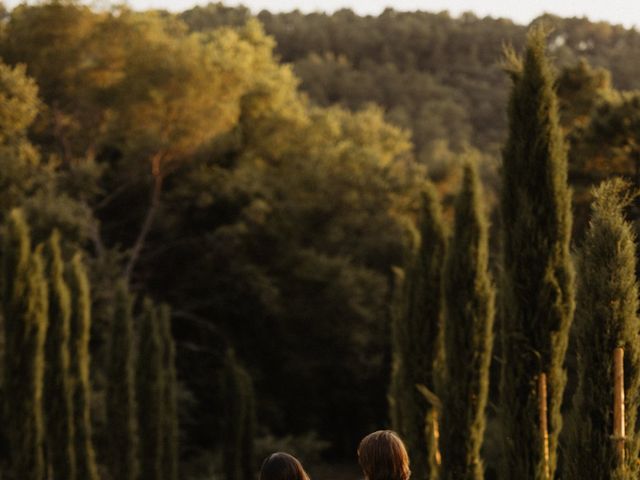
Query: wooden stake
[[436, 435], [618, 436], [544, 431]]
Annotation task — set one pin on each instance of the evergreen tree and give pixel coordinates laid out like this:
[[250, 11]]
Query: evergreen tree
[[249, 427], [80, 361], [606, 318], [420, 341], [171, 431], [151, 394], [238, 421], [58, 400], [468, 335], [538, 281], [24, 308], [398, 379], [121, 401]]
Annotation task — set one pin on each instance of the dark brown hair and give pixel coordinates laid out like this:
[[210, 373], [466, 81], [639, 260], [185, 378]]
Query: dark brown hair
[[382, 456], [282, 466]]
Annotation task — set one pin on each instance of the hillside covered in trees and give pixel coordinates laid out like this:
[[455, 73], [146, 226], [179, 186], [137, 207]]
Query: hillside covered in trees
[[252, 187]]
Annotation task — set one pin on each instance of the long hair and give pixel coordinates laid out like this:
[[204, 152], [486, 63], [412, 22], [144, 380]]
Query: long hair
[[282, 466], [382, 456]]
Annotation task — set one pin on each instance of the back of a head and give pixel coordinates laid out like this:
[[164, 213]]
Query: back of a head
[[282, 466], [382, 456]]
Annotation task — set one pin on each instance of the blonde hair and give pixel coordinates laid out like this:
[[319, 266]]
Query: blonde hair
[[383, 456]]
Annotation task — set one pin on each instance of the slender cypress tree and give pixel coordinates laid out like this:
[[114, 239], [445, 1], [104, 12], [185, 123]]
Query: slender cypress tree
[[58, 400], [420, 341], [249, 426], [468, 335], [538, 277], [606, 318], [398, 379], [79, 364], [150, 385], [121, 401], [238, 421], [170, 465], [25, 308]]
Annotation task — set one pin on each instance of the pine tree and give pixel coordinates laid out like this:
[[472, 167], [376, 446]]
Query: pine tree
[[171, 432], [238, 421], [79, 364], [121, 401], [468, 335], [58, 400], [538, 277], [606, 318], [24, 308], [420, 341], [150, 387]]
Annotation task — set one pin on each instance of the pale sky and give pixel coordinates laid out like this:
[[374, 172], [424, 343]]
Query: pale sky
[[626, 12]]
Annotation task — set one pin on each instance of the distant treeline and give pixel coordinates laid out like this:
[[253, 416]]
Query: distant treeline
[[437, 75]]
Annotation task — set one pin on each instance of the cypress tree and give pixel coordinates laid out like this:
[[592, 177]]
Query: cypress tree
[[171, 431], [420, 341], [468, 335], [24, 308], [58, 400], [398, 379], [249, 427], [79, 364], [238, 421], [121, 401], [606, 318], [538, 276], [150, 385]]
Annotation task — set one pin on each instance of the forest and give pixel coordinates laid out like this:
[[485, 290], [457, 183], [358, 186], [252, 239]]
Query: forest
[[225, 234]]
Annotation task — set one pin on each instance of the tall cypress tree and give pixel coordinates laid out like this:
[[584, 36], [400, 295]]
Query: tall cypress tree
[[150, 385], [170, 434], [79, 364], [24, 308], [58, 400], [419, 339], [121, 401], [398, 379], [538, 277], [606, 318], [249, 426], [468, 335], [238, 421]]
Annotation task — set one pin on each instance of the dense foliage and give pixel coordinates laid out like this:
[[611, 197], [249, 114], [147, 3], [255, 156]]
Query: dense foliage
[[606, 318], [419, 349], [469, 302], [262, 176], [57, 395], [24, 311], [538, 284]]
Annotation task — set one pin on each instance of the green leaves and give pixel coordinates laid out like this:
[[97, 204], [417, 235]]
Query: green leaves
[[468, 334], [25, 315], [606, 318], [538, 277]]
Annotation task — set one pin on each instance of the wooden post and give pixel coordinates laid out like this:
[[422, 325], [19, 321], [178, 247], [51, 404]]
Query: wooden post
[[436, 435], [544, 431], [618, 436]]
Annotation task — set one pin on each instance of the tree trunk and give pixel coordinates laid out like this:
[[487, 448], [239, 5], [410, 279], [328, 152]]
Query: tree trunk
[[148, 220]]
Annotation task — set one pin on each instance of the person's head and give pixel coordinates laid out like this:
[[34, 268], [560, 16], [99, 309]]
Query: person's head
[[282, 466], [382, 456]]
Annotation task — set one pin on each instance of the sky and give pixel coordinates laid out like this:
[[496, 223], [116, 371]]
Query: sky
[[626, 12]]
